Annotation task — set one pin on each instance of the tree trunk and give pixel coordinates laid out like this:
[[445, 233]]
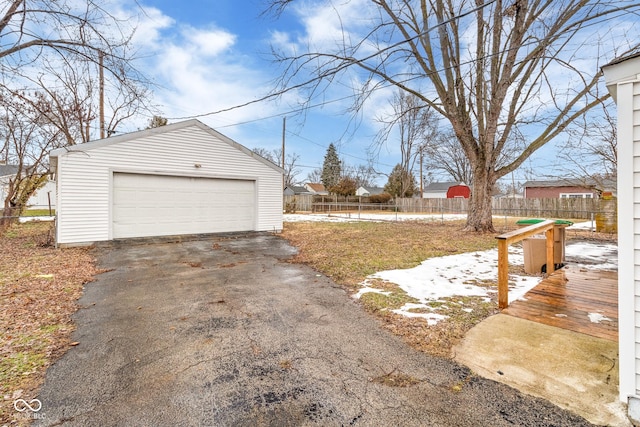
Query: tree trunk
[[479, 218], [7, 217]]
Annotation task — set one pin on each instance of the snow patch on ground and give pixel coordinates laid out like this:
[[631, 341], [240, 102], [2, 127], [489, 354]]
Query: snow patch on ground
[[24, 219], [598, 317], [366, 289], [453, 275], [352, 217], [431, 318], [592, 255]]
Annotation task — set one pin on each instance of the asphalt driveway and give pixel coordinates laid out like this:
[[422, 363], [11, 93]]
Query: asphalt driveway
[[225, 331]]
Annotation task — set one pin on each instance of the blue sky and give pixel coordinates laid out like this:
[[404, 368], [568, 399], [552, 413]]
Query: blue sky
[[206, 56], [214, 55]]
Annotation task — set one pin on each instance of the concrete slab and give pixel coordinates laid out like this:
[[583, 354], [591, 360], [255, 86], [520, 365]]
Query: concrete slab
[[574, 371]]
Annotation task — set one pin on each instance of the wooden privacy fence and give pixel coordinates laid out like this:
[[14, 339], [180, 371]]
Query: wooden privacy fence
[[587, 209]]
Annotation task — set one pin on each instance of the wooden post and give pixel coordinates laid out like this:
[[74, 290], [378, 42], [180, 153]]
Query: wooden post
[[503, 274], [549, 234]]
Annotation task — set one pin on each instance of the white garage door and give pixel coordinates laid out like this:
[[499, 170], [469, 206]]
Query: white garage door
[[156, 205]]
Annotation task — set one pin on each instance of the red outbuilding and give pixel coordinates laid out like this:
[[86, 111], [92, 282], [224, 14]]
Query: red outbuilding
[[458, 191]]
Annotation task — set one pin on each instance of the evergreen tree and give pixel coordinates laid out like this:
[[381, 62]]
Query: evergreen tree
[[401, 183], [331, 168]]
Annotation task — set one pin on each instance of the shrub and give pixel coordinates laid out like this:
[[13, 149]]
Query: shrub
[[345, 187], [290, 207], [380, 198]]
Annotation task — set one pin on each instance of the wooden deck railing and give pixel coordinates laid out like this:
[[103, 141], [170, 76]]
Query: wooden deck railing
[[504, 240]]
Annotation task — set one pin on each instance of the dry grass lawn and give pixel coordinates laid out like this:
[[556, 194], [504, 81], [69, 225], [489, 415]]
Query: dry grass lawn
[[39, 287]]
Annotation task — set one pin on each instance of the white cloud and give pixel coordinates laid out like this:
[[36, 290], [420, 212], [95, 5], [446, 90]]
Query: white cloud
[[149, 26], [198, 70], [209, 42], [331, 23]]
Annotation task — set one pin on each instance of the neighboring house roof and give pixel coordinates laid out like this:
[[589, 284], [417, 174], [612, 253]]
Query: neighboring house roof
[[87, 146], [8, 170], [316, 187], [372, 191], [296, 189], [606, 183], [441, 186]]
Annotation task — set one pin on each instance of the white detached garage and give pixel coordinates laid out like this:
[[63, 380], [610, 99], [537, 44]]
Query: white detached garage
[[183, 178]]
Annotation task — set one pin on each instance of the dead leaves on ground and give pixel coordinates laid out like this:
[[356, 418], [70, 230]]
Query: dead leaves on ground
[[39, 289]]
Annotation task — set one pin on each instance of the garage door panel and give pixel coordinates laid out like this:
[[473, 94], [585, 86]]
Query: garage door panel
[[154, 205]]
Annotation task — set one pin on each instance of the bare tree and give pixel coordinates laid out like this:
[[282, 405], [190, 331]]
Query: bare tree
[[443, 155], [490, 68], [62, 64], [362, 175], [415, 126], [27, 143], [591, 150], [291, 169], [315, 175]]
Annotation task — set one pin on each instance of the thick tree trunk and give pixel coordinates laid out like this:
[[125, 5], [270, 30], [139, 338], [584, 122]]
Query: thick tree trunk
[[479, 217]]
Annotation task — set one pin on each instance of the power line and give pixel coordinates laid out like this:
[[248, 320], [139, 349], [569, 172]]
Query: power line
[[373, 55], [297, 110], [383, 85], [343, 154]]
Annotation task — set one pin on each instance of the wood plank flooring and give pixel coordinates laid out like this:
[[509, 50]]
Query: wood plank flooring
[[568, 297]]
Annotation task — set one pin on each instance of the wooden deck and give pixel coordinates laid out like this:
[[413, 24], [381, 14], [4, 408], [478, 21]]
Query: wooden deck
[[568, 297]]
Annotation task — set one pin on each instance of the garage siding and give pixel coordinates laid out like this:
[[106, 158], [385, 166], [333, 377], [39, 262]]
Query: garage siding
[[85, 177]]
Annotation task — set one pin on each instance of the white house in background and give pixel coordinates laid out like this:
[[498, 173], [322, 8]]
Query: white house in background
[[43, 198], [623, 82], [369, 191], [6, 173], [183, 178]]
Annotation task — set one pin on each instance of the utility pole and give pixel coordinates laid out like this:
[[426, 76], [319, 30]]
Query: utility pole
[[421, 179], [101, 89], [284, 130]]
